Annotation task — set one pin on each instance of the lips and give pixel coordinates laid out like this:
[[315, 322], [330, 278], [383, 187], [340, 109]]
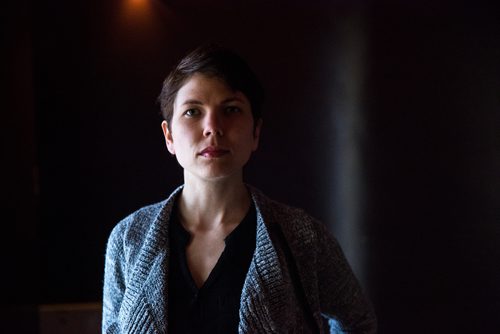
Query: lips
[[213, 152]]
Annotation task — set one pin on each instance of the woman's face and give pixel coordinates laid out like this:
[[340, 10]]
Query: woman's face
[[212, 129]]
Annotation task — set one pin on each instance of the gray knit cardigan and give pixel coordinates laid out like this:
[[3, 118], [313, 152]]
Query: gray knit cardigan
[[298, 281]]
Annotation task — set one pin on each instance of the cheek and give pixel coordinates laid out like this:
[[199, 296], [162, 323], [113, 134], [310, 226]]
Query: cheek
[[249, 142], [183, 142]]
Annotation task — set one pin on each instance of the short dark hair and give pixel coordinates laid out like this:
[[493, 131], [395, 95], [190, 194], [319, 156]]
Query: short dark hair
[[212, 60]]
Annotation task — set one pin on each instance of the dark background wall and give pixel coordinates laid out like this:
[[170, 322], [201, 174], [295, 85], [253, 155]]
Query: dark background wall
[[382, 119]]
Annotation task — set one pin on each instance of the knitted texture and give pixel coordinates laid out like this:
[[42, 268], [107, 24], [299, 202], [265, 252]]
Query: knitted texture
[[298, 281]]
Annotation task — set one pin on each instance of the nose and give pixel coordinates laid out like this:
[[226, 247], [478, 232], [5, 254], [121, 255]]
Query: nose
[[213, 125]]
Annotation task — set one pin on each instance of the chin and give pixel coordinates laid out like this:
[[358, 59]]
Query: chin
[[216, 171]]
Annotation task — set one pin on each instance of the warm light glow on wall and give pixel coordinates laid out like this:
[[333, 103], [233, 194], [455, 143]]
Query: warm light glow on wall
[[137, 4], [137, 11], [137, 27]]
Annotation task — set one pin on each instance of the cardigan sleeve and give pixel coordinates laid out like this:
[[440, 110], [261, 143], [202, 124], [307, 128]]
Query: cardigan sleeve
[[114, 282], [342, 300]]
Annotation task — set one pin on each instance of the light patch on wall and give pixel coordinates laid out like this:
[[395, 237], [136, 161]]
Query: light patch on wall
[[348, 122]]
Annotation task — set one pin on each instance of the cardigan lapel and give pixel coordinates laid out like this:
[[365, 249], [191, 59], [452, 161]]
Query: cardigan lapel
[[145, 297], [263, 299], [305, 263]]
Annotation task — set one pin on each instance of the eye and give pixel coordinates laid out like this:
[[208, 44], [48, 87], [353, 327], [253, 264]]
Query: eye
[[232, 110], [191, 112]]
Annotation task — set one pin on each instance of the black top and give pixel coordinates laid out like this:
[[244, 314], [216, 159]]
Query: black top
[[214, 307]]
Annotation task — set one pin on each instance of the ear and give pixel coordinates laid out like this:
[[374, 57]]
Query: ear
[[256, 134], [169, 140]]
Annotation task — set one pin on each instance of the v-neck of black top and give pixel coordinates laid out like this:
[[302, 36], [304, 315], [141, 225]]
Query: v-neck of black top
[[214, 307]]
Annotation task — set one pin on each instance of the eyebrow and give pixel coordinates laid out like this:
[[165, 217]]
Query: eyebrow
[[191, 101], [232, 99]]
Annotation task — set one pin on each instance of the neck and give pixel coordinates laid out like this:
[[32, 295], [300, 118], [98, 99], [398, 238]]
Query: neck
[[210, 204]]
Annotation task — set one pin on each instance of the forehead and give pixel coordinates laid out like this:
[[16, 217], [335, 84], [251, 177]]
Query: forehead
[[207, 89]]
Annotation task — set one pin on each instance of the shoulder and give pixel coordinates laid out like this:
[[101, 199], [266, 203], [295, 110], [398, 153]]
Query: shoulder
[[131, 232], [136, 224], [128, 236]]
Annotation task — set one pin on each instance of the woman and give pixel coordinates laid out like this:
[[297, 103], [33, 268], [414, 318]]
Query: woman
[[218, 256]]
